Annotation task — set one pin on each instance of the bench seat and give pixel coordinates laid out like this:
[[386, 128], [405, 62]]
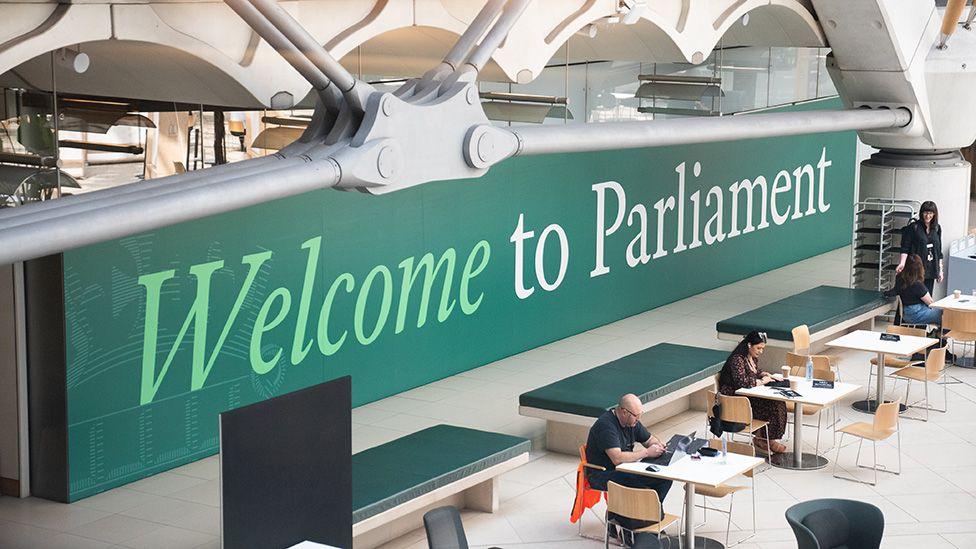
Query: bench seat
[[822, 309], [663, 374], [394, 483]]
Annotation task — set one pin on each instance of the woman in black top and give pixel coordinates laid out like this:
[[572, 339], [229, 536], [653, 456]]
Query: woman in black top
[[915, 296], [923, 237]]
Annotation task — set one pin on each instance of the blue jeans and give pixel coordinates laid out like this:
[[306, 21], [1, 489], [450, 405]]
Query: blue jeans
[[921, 313]]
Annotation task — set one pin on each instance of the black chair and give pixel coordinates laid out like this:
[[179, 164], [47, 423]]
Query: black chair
[[444, 529], [836, 524]]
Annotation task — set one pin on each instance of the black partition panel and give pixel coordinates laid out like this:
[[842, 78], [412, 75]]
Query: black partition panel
[[47, 378], [286, 469]]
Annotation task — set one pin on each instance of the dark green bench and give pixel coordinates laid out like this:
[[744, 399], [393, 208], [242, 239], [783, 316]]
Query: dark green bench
[[394, 483], [664, 376], [826, 310]]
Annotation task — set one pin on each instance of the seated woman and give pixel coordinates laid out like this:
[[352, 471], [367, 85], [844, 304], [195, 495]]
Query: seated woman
[[741, 371], [915, 298]]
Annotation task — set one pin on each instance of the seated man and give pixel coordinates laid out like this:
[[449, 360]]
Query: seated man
[[612, 441]]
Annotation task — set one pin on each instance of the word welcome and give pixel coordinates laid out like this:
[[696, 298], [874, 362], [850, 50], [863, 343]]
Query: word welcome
[[377, 285]]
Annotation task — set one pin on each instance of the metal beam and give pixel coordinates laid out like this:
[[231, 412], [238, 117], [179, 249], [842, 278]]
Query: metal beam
[[31, 239], [480, 56], [533, 140], [355, 92], [280, 43]]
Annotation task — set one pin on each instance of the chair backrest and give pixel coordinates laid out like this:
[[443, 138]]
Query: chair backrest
[[734, 447], [934, 363], [795, 360], [962, 321], [710, 397], [858, 524], [633, 503], [444, 529], [905, 330], [886, 416], [235, 127], [823, 373], [736, 409], [801, 338]]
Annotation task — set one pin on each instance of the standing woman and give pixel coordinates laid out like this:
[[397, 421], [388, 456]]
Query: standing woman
[[741, 371], [923, 237]]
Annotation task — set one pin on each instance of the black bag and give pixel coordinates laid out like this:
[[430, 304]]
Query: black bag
[[717, 426]]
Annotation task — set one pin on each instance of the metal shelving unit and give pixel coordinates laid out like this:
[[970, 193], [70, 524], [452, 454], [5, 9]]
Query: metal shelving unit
[[876, 241]]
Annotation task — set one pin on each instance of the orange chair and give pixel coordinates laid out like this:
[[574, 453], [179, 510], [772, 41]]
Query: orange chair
[[586, 496]]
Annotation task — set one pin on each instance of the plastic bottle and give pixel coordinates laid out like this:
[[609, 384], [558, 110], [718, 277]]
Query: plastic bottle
[[809, 376]]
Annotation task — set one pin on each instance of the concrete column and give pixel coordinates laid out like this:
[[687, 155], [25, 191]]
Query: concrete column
[[942, 177]]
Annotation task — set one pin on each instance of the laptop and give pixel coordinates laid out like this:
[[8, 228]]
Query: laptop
[[678, 447]]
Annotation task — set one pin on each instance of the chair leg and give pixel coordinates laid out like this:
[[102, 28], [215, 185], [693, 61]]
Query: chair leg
[[874, 447], [728, 526]]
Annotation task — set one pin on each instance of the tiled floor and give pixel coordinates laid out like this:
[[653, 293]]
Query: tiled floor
[[932, 504]]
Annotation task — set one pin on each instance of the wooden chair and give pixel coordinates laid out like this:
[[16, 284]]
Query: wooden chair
[[884, 425], [961, 326], [729, 490], [636, 504], [821, 371], [581, 488], [801, 346], [737, 409], [935, 368]]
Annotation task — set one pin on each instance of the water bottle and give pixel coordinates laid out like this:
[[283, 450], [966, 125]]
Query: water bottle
[[725, 450], [809, 376]]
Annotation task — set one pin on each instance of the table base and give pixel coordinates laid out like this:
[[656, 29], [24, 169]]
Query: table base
[[808, 462], [870, 406], [707, 543]]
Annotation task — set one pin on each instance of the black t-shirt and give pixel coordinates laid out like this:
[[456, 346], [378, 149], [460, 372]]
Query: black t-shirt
[[927, 245], [912, 295], [608, 433]]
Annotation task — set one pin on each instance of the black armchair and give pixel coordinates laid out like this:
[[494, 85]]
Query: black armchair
[[445, 529], [830, 523]]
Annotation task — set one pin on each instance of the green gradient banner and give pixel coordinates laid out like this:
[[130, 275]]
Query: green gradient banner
[[167, 329]]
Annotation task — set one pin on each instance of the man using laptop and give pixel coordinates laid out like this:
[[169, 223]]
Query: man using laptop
[[611, 441]]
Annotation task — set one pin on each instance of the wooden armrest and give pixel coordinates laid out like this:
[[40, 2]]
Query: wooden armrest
[[595, 467]]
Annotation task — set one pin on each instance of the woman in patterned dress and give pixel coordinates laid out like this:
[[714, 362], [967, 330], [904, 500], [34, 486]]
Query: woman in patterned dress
[[741, 371]]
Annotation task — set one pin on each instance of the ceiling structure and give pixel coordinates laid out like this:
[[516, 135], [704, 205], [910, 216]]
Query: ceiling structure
[[203, 53]]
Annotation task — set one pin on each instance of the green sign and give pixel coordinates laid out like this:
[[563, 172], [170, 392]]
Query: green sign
[[167, 329]]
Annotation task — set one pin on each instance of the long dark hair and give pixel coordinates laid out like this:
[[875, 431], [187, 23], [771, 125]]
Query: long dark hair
[[929, 206], [913, 272], [754, 337]]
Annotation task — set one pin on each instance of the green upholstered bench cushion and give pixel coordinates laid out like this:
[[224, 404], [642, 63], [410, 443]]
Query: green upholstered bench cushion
[[818, 308], [650, 374], [401, 470]]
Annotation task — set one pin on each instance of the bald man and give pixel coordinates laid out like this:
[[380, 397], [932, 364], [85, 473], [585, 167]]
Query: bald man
[[618, 437]]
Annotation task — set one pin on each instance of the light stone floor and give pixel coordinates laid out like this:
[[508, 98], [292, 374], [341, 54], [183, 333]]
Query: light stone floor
[[932, 504]]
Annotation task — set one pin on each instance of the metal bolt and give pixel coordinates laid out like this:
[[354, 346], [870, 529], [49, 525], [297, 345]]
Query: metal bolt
[[386, 162], [386, 104], [486, 147], [471, 96]]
